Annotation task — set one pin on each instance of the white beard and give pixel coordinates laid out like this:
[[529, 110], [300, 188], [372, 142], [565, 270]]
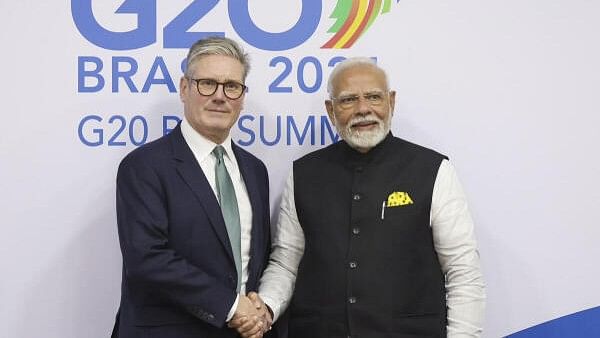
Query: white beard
[[366, 139]]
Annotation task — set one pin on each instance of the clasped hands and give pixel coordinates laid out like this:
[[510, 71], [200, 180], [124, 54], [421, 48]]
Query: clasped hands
[[252, 318]]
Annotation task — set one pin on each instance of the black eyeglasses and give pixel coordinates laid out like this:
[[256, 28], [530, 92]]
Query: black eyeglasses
[[206, 87]]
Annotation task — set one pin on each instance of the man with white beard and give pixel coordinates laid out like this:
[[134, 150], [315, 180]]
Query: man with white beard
[[373, 231]]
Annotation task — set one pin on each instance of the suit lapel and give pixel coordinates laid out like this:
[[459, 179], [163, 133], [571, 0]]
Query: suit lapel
[[255, 202], [251, 184], [189, 169]]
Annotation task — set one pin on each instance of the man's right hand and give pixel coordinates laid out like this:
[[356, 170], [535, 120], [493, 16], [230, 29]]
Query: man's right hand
[[246, 320], [263, 311]]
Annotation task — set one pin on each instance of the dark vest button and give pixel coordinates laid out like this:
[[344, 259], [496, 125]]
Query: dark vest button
[[356, 230], [352, 265], [356, 197], [351, 300]]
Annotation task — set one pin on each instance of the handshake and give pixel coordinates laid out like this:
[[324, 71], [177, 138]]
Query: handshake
[[252, 318]]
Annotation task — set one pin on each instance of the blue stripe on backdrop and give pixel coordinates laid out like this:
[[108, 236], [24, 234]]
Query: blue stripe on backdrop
[[583, 324]]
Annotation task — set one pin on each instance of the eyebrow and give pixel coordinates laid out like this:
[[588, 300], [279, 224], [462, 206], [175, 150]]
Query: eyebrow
[[367, 92], [218, 80]]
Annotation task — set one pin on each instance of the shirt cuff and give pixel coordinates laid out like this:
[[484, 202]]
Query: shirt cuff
[[272, 305], [233, 308]]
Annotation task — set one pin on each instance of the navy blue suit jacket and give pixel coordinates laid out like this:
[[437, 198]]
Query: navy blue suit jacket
[[179, 277]]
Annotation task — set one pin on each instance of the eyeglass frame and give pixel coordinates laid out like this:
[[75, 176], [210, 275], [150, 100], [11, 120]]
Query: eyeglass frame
[[358, 96], [222, 84]]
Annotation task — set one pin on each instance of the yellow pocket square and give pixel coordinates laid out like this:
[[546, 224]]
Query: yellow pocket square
[[398, 198]]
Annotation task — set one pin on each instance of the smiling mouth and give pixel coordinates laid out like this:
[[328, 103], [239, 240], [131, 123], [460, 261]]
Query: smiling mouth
[[364, 124]]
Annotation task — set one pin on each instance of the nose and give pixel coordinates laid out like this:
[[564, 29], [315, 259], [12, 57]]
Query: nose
[[363, 107], [219, 94]]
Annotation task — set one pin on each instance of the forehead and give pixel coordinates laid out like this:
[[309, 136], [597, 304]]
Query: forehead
[[218, 67], [359, 79]]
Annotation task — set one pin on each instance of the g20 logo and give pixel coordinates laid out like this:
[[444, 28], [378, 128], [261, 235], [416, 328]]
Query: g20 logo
[[353, 18]]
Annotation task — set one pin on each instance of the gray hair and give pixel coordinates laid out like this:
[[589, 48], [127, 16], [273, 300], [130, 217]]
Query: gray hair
[[349, 63], [217, 45]]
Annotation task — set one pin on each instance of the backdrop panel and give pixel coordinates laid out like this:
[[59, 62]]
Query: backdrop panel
[[508, 89]]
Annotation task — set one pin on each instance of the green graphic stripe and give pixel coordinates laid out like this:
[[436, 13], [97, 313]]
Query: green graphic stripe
[[341, 13], [374, 15], [386, 6]]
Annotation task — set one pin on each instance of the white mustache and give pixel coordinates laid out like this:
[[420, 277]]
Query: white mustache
[[362, 119]]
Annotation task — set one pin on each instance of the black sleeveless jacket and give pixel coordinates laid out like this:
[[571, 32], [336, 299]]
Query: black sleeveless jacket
[[369, 267]]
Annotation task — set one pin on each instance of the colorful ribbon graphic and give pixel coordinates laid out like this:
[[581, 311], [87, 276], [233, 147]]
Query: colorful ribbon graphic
[[354, 17]]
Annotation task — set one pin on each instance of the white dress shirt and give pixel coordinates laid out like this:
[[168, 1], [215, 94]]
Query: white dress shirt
[[454, 242], [202, 149]]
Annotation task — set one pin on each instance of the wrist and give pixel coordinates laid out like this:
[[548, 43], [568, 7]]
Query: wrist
[[270, 311]]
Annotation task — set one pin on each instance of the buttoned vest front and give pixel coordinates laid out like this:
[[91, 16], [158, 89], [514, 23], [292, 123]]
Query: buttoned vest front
[[369, 267]]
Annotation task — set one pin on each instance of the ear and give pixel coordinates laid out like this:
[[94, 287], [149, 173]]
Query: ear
[[183, 88], [329, 107], [392, 101]]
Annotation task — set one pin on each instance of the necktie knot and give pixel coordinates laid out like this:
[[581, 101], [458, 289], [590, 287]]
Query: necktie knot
[[218, 152]]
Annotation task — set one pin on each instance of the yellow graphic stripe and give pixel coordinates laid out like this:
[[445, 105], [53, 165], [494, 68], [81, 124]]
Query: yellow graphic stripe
[[360, 16]]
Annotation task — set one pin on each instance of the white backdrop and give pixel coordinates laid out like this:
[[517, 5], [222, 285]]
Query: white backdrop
[[508, 89]]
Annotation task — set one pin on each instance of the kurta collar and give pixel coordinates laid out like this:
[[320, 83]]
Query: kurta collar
[[377, 152]]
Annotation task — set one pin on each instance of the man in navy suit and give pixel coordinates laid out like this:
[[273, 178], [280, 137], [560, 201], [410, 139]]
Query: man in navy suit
[[193, 214]]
